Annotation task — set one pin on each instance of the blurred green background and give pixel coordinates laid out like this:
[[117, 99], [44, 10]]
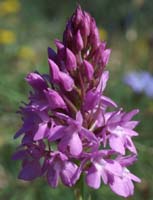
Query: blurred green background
[[27, 28]]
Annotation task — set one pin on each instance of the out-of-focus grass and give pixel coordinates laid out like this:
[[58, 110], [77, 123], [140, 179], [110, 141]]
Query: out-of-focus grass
[[33, 33]]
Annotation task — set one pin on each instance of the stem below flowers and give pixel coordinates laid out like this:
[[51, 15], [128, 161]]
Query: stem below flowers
[[80, 190], [77, 194]]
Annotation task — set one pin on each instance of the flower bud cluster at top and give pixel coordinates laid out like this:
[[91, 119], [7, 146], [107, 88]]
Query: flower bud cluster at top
[[67, 129]]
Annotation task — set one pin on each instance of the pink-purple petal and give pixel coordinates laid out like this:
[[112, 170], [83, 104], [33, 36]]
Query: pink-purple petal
[[56, 133], [41, 131], [129, 145], [30, 170], [54, 99], [89, 71], [103, 81], [54, 71], [120, 187], [52, 177], [68, 172], [66, 81], [117, 144], [93, 178], [75, 144]]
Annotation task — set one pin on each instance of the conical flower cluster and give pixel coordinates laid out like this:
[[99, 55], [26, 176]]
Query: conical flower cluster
[[67, 129]]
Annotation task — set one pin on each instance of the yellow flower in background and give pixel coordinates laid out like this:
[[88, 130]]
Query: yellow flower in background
[[150, 107], [9, 7], [7, 37], [103, 34], [142, 47], [26, 53]]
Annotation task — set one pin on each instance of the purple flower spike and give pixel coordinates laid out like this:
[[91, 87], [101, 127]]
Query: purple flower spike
[[70, 128]]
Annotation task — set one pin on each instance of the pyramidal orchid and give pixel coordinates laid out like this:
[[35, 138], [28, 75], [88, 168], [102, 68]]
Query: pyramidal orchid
[[68, 132]]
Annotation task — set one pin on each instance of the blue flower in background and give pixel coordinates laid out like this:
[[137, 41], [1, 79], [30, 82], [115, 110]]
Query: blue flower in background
[[149, 89], [140, 82]]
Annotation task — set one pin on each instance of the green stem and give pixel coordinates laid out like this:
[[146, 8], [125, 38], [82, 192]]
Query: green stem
[[77, 194], [80, 190]]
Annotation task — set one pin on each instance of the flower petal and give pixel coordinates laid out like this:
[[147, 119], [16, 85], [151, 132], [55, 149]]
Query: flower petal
[[107, 101], [54, 71], [41, 131], [68, 172], [36, 81], [56, 133], [93, 178], [103, 81], [30, 170], [121, 187], [75, 144], [91, 99], [66, 81], [129, 145], [54, 99], [70, 60], [89, 71], [52, 177], [117, 144]]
